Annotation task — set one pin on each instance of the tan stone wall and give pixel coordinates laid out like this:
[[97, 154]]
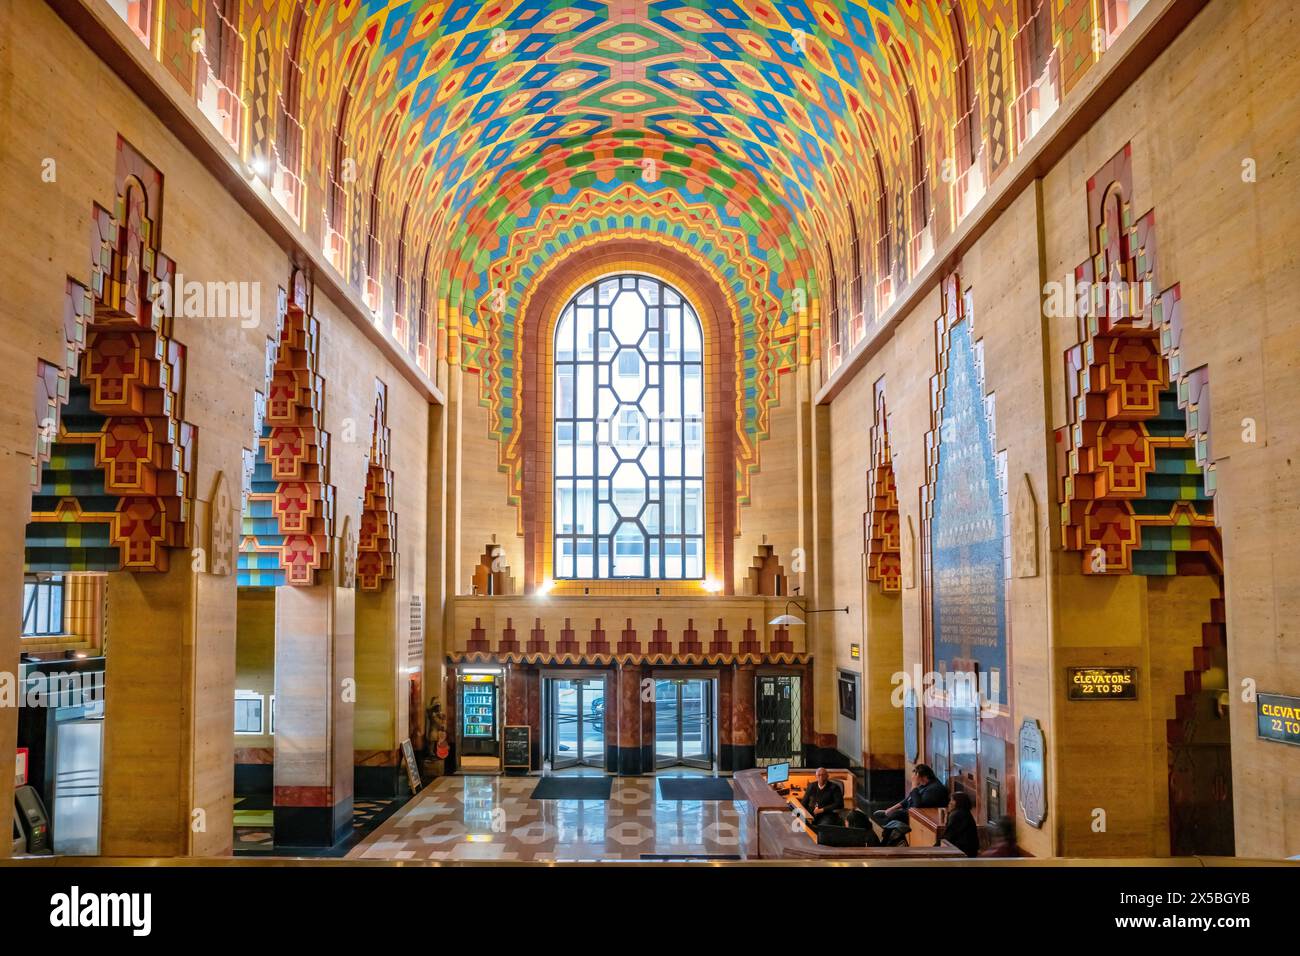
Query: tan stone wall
[[1215, 99], [1223, 95], [773, 513], [62, 103]]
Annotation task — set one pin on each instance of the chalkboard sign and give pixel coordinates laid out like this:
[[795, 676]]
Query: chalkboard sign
[[1278, 718], [519, 747], [412, 768]]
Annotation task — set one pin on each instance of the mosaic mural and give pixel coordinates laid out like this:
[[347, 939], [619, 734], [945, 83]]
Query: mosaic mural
[[1136, 478], [883, 529], [288, 523], [112, 467], [964, 507], [377, 540]]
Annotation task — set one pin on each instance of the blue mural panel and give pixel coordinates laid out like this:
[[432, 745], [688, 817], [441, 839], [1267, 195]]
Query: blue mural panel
[[968, 590]]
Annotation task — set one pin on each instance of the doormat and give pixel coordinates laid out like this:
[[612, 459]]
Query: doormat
[[574, 788], [695, 788]]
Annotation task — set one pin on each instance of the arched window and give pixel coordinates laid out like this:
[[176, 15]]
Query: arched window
[[372, 238], [916, 147], [882, 221], [338, 154], [138, 15], [967, 129], [857, 304], [837, 337], [629, 433], [422, 323], [288, 121]]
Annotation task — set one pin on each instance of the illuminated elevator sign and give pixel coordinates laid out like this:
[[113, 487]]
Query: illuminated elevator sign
[[1279, 718], [1102, 683]]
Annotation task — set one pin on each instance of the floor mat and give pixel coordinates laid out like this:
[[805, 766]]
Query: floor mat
[[695, 788], [573, 788]]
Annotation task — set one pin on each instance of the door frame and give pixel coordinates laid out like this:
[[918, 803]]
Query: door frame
[[690, 673], [548, 716], [796, 718]]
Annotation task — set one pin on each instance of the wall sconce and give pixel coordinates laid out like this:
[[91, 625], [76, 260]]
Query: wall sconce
[[793, 620]]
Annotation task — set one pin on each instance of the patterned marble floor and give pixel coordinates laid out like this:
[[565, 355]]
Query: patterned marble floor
[[493, 818]]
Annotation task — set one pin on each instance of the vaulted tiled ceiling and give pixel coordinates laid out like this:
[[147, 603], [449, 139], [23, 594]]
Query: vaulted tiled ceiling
[[756, 134]]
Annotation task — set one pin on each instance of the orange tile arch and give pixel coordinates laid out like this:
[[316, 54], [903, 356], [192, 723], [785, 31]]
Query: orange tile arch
[[541, 307]]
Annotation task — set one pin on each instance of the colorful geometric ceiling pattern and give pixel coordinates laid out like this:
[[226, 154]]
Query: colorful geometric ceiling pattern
[[438, 150]]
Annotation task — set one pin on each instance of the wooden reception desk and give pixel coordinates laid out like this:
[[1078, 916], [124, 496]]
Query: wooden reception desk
[[781, 830]]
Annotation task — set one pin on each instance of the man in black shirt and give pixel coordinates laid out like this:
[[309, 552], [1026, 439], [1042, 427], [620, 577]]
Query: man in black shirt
[[927, 791], [823, 799]]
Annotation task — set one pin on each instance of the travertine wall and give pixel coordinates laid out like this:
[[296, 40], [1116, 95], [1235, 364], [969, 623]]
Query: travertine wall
[[1215, 137], [1216, 104], [61, 103]]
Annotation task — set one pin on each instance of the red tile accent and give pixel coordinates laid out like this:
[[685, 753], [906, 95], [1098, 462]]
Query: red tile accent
[[509, 642], [628, 643], [303, 797], [537, 638]]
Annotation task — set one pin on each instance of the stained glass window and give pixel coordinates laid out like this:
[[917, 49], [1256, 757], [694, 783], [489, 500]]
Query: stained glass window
[[629, 433]]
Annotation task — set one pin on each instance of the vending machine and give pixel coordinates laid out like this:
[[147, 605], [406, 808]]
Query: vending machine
[[479, 706]]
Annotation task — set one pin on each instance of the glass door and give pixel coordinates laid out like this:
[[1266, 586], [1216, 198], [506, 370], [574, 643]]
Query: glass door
[[576, 722], [696, 710], [684, 723]]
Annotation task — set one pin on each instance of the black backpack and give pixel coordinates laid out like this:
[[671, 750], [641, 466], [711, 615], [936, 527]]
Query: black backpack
[[895, 833]]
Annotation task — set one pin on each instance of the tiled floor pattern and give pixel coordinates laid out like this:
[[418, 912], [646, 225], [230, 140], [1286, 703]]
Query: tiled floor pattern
[[254, 823], [492, 818]]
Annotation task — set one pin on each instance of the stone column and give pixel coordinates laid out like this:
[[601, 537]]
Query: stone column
[[742, 717], [629, 750], [314, 649], [168, 713], [381, 702]]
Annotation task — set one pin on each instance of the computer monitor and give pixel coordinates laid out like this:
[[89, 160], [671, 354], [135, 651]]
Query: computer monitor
[[778, 773]]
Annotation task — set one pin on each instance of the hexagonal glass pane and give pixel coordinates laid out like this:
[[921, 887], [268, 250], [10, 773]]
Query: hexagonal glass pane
[[629, 374], [628, 317]]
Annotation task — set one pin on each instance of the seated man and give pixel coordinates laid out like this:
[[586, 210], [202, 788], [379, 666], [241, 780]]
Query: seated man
[[927, 791], [823, 799]]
